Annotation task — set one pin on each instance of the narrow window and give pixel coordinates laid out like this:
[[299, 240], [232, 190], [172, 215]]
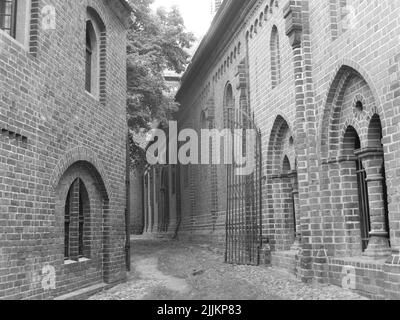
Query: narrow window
[[67, 223], [76, 231], [8, 16], [89, 56], [81, 226], [275, 58], [365, 222], [15, 19], [95, 55]]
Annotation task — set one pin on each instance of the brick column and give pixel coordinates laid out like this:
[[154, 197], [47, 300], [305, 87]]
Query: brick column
[[279, 240], [378, 246], [294, 30]]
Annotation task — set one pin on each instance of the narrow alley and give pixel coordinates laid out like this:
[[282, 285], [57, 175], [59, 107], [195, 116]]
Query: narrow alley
[[171, 270]]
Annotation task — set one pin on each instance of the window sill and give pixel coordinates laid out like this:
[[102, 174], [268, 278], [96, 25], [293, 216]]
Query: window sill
[[15, 41], [81, 260], [92, 96]]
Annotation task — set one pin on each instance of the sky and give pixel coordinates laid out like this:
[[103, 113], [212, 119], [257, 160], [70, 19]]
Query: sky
[[196, 13]]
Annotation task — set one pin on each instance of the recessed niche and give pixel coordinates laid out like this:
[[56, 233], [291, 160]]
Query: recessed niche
[[359, 106]]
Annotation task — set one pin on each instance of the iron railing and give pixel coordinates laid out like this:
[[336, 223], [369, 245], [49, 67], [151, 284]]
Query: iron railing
[[244, 199]]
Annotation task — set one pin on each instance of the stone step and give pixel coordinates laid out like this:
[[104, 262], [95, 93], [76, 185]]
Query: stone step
[[84, 293]]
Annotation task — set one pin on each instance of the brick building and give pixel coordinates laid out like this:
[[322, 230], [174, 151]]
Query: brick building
[[62, 146], [322, 79]]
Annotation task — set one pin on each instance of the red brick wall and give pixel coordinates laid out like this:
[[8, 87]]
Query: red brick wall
[[55, 132], [338, 56]]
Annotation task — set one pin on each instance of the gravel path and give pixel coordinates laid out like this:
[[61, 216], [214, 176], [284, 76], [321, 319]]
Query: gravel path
[[177, 271]]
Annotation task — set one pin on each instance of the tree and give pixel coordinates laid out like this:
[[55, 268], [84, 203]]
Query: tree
[[157, 41]]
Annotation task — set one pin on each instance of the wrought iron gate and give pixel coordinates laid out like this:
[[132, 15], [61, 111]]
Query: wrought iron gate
[[244, 199]]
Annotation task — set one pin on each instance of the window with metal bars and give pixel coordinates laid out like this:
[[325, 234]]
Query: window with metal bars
[[81, 227], [363, 200], [365, 223], [8, 16], [76, 209], [67, 223]]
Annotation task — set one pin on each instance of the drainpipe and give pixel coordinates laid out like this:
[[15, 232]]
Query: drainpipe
[[128, 207]]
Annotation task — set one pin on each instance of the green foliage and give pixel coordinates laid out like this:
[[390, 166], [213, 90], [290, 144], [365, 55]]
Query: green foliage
[[157, 41]]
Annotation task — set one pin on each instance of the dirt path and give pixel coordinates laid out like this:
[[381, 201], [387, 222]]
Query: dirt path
[[148, 270], [176, 271]]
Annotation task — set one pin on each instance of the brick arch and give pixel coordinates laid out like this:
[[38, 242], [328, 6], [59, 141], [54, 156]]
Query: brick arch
[[281, 159], [77, 155], [279, 130], [358, 128], [96, 15], [98, 219], [94, 7], [344, 72], [350, 131]]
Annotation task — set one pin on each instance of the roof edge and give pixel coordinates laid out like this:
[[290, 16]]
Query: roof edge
[[222, 22], [122, 9]]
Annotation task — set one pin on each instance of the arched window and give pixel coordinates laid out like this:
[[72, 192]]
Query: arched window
[[351, 144], [286, 165], [275, 58], [375, 137], [91, 59], [15, 19], [228, 105], [76, 226], [95, 53], [290, 195], [203, 120]]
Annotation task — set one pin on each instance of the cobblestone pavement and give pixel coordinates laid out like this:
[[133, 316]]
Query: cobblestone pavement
[[176, 271]]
